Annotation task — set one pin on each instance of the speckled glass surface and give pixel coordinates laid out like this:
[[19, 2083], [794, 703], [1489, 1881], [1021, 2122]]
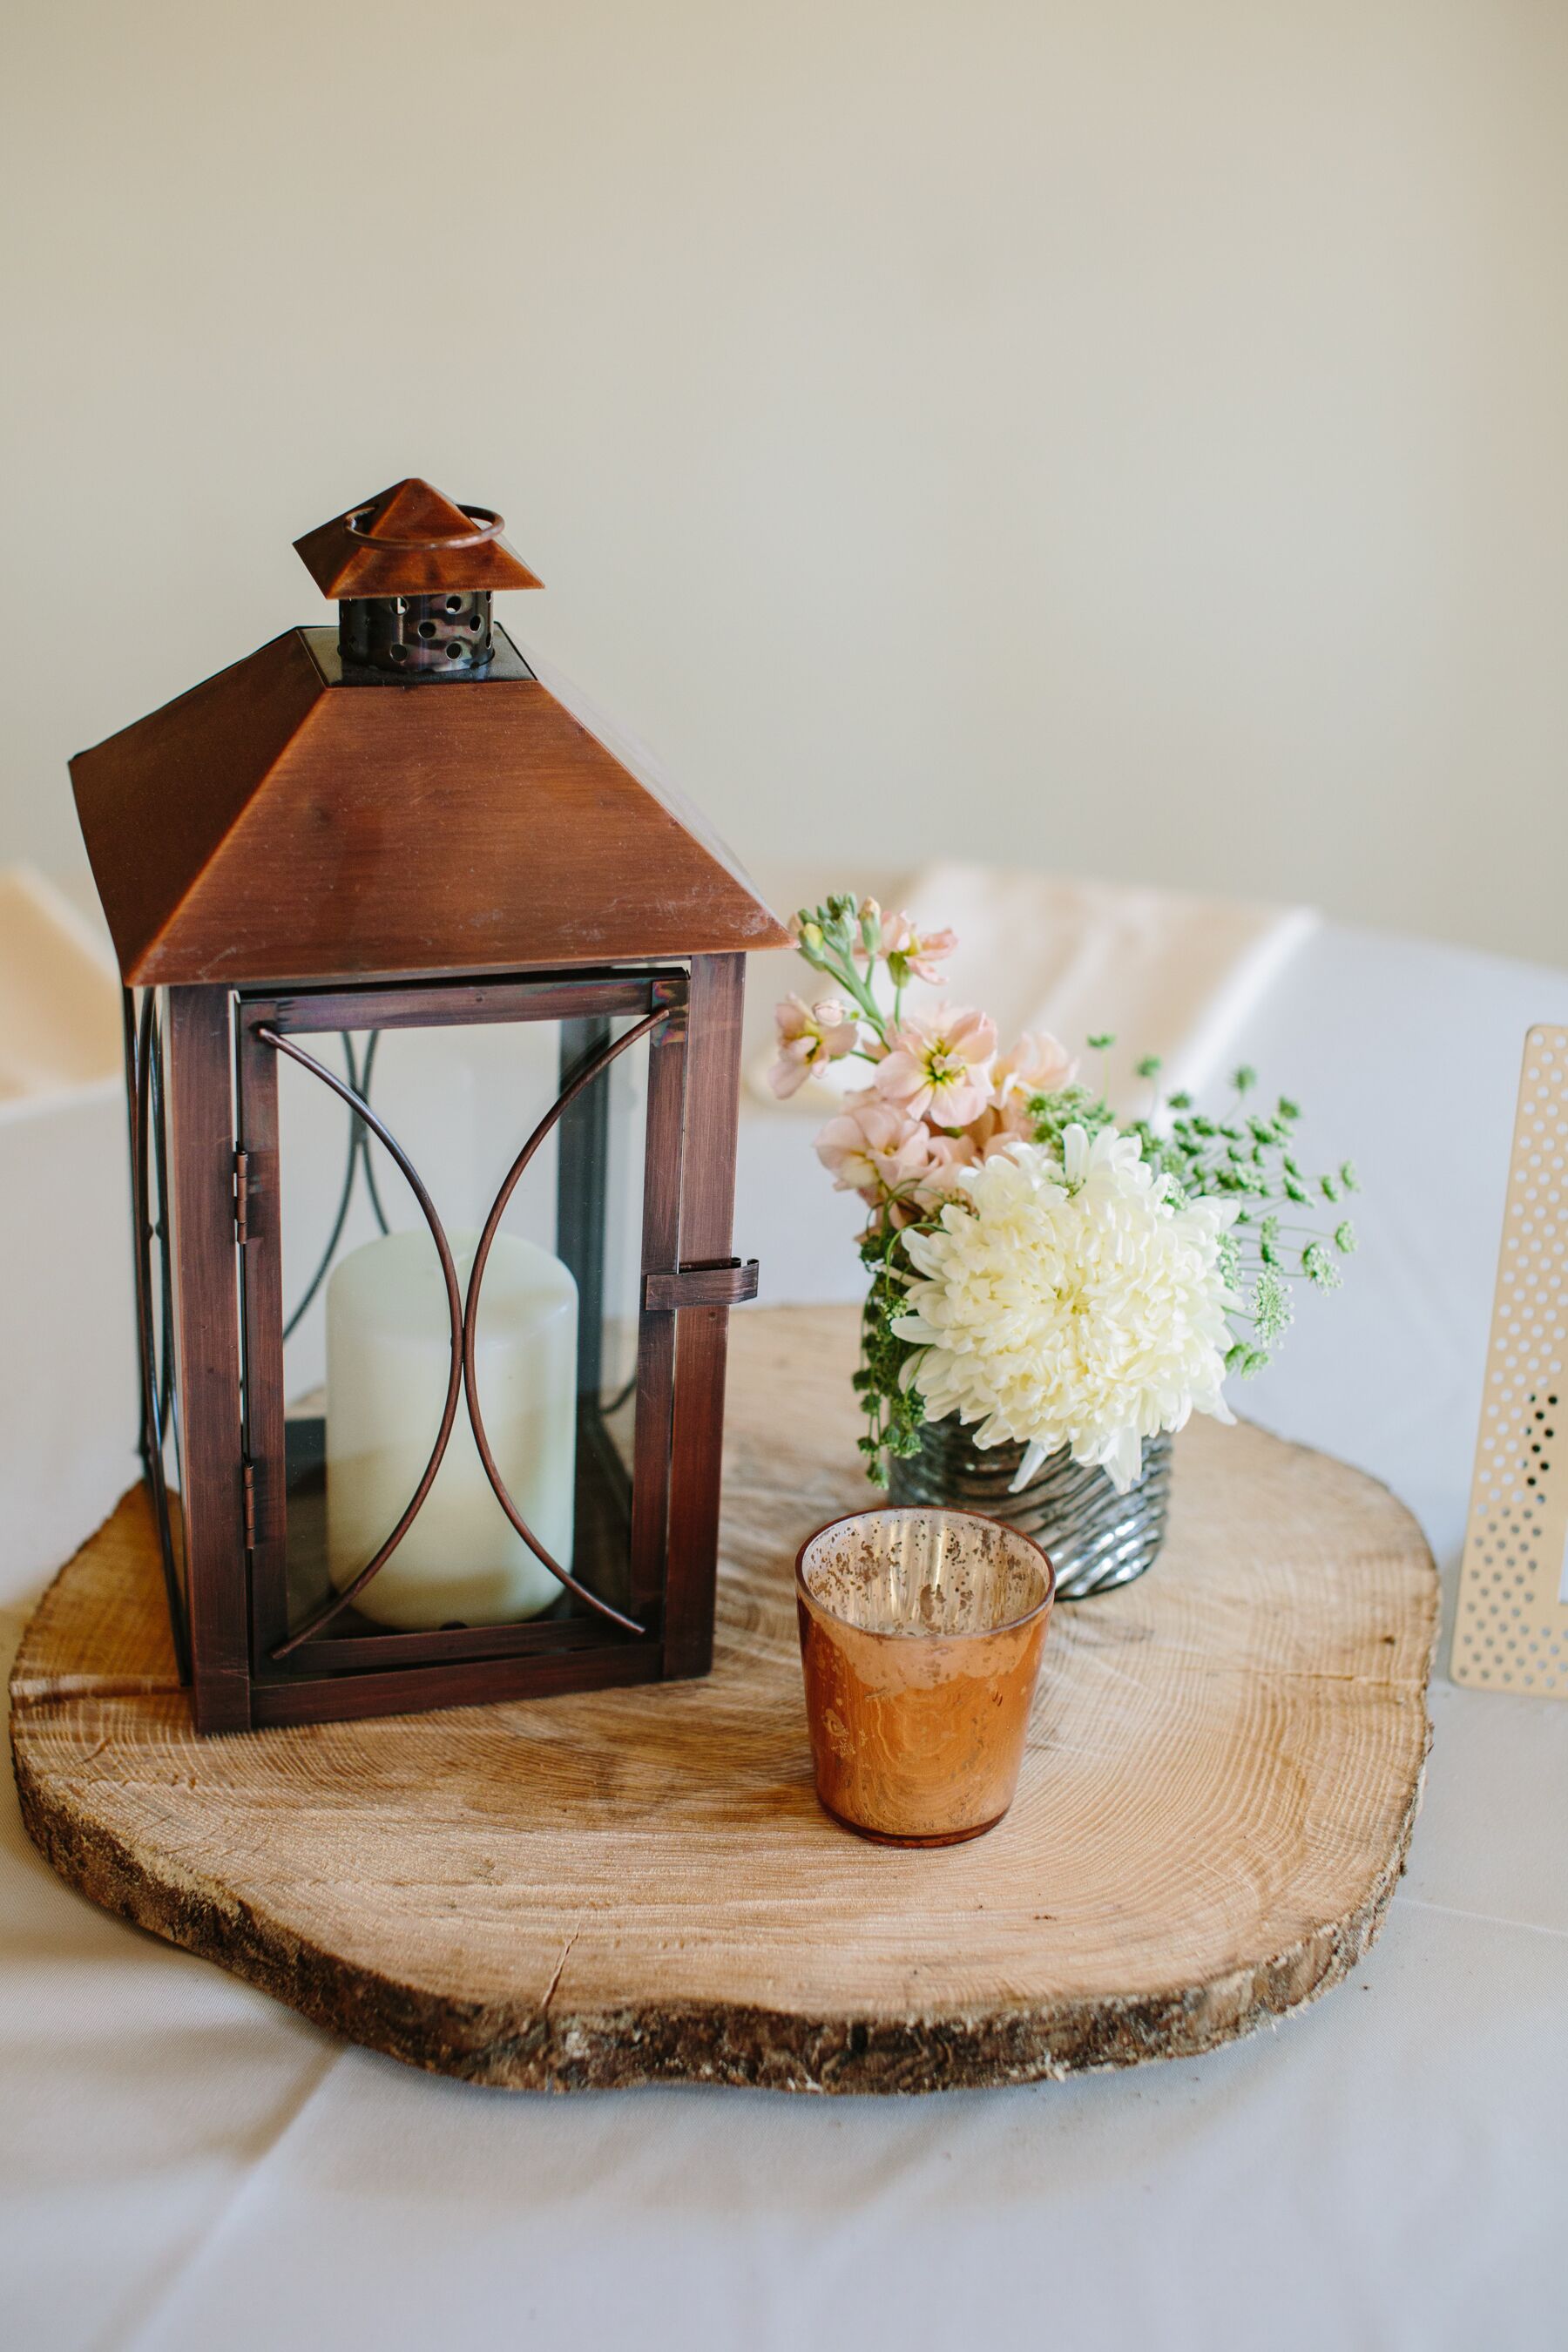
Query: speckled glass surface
[[920, 1572], [920, 1635]]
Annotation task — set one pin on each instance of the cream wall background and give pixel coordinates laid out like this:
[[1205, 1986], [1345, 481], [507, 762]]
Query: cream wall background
[[1126, 435]]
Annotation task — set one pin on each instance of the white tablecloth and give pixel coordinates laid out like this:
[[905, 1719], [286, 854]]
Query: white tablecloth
[[186, 2164]]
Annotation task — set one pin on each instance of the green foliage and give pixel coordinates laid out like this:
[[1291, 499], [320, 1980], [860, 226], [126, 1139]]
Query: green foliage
[[1319, 1268], [894, 1412], [1247, 1159], [1272, 1308], [1071, 1106]]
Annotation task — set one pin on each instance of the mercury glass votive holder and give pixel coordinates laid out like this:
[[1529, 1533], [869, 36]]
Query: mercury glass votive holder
[[920, 1635]]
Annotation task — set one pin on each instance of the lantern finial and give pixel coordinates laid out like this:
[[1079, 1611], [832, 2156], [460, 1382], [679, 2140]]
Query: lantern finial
[[413, 573]]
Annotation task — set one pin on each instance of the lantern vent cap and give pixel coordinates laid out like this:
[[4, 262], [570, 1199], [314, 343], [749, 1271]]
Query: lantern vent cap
[[411, 541]]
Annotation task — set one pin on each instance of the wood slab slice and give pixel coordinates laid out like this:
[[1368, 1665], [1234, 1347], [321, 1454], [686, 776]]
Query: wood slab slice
[[1224, 1766]]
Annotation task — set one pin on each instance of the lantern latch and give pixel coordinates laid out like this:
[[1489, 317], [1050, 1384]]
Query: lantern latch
[[242, 1197], [728, 1284]]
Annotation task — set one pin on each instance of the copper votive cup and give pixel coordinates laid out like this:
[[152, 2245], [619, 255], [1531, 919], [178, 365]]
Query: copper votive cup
[[920, 1635]]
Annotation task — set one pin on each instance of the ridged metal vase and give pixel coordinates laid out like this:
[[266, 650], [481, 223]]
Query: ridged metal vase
[[1096, 1537]]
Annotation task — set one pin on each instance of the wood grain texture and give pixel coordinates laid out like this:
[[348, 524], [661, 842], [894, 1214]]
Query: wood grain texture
[[1224, 1766]]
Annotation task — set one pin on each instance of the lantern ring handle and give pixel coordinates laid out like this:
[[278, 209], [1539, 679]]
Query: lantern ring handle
[[356, 1102], [569, 1093], [491, 525]]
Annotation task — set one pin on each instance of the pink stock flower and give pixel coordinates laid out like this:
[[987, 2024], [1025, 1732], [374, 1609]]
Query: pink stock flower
[[940, 1069], [809, 1035], [950, 1155], [1004, 1121], [911, 954], [1038, 1064], [873, 1148]]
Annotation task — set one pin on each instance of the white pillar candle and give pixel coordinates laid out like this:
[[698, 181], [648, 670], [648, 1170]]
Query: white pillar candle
[[388, 1363]]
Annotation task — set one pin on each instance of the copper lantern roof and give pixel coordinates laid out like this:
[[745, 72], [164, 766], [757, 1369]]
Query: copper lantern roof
[[287, 822]]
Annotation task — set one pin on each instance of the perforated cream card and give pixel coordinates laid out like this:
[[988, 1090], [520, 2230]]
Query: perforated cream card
[[1511, 1630]]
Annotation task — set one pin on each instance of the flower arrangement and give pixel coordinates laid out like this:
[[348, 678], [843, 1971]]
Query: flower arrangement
[[1055, 1279]]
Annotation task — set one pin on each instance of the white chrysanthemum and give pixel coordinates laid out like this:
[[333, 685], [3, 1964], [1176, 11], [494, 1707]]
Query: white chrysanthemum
[[1070, 1303]]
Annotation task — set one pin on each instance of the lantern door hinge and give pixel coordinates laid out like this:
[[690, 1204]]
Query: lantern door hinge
[[247, 1475], [242, 1197], [725, 1284]]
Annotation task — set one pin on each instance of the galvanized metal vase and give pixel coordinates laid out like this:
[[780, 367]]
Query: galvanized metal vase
[[1097, 1538]]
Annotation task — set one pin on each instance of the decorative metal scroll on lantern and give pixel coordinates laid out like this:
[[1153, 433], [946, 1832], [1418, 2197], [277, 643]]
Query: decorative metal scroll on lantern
[[359, 1164]]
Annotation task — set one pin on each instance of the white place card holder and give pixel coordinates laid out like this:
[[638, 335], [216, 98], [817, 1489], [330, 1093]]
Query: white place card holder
[[1511, 1628]]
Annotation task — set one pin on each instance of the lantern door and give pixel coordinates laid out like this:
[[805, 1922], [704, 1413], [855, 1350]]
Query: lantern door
[[458, 1366]]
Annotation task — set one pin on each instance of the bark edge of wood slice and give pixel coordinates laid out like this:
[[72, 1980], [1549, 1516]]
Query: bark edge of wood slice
[[1225, 1764]]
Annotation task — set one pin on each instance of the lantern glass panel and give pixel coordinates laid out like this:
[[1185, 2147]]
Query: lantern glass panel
[[367, 1356], [161, 1383]]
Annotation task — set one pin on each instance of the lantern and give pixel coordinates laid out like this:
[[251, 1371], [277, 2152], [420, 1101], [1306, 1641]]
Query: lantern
[[404, 1450]]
